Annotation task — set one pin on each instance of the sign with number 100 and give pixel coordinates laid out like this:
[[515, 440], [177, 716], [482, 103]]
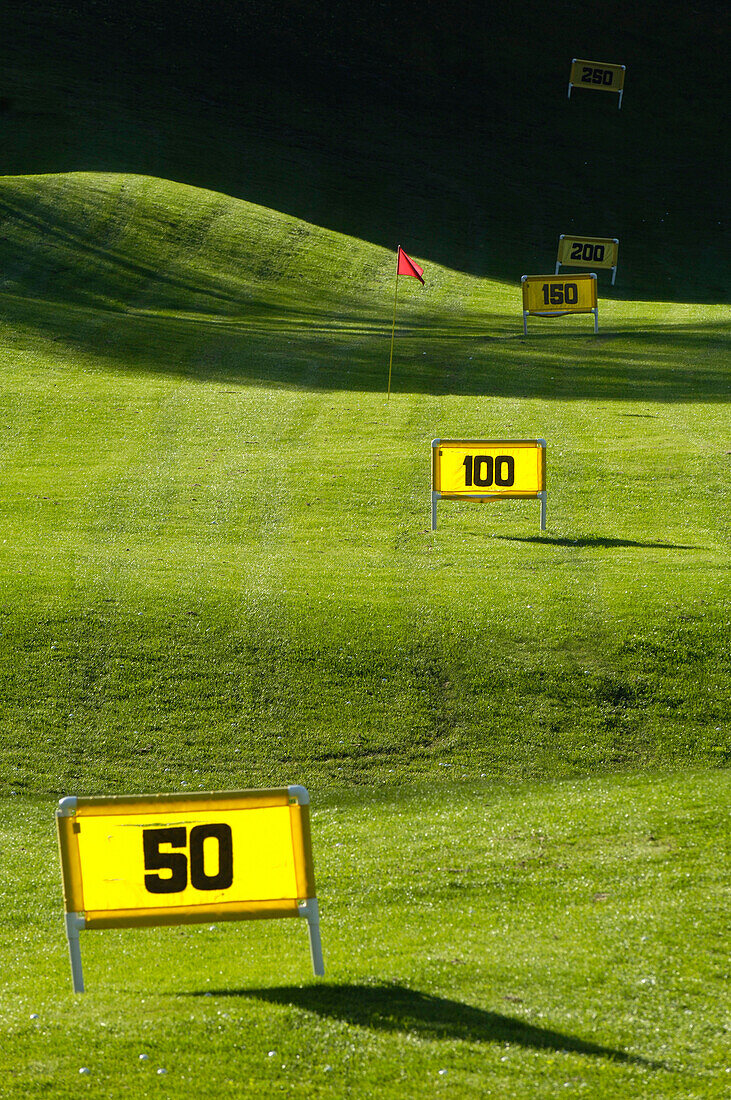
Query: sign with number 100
[[185, 858], [488, 469], [508, 467]]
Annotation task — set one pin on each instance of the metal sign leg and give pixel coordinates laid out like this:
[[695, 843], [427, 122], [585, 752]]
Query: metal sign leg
[[434, 499], [311, 910], [74, 922], [544, 508]]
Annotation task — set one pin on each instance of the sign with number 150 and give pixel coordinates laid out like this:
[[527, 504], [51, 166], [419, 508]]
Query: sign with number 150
[[556, 295]]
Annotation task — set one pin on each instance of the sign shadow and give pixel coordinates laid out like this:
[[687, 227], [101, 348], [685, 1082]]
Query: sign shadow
[[395, 1007], [594, 542]]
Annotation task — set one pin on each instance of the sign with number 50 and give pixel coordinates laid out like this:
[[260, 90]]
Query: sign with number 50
[[184, 858]]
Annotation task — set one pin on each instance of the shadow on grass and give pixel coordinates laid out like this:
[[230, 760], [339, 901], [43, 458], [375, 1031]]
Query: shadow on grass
[[316, 348], [397, 1008], [595, 542]]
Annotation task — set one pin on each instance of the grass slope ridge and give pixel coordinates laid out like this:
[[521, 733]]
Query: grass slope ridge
[[221, 571], [138, 245], [123, 241]]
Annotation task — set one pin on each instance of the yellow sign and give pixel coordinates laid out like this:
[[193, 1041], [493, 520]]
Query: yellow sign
[[556, 295], [182, 858], [588, 252], [488, 469], [597, 75]]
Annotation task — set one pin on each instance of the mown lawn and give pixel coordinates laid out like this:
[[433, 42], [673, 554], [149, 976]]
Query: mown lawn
[[218, 559], [218, 571], [519, 940]]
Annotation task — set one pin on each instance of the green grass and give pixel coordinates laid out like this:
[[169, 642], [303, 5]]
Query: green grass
[[215, 511], [216, 567], [509, 941], [217, 571]]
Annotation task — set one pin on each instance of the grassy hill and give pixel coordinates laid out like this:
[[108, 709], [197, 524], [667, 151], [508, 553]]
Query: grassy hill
[[215, 510], [217, 568], [510, 941]]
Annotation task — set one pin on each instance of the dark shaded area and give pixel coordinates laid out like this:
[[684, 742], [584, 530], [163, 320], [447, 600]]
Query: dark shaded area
[[69, 241], [397, 1008], [395, 123], [594, 542], [321, 350]]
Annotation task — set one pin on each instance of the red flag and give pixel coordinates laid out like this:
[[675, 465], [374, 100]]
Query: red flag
[[406, 266]]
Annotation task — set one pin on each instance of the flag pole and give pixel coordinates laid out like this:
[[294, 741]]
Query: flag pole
[[393, 327]]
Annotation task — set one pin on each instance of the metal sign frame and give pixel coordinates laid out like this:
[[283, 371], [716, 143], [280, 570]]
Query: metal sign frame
[[540, 494], [596, 85], [608, 242], [560, 310], [72, 812]]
